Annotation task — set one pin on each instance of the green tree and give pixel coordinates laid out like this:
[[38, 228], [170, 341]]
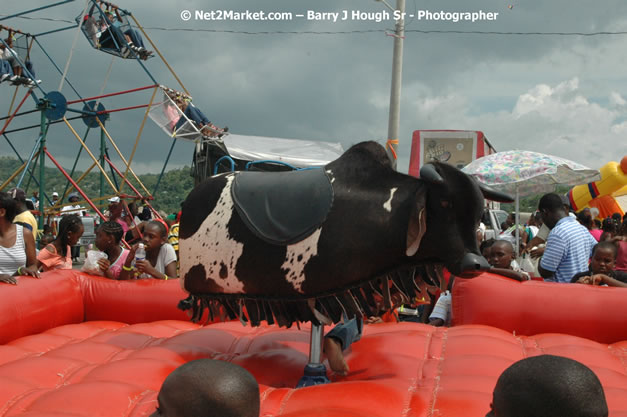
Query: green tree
[[173, 188]]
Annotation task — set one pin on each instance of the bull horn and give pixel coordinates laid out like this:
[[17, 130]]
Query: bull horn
[[429, 174], [492, 194]]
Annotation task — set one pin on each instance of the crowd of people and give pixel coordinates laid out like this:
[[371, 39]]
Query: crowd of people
[[118, 240], [555, 245]]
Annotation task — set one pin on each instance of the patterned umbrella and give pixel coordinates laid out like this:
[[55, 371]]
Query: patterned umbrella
[[525, 172]]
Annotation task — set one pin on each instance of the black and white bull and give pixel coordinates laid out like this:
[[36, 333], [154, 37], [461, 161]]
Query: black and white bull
[[352, 229]]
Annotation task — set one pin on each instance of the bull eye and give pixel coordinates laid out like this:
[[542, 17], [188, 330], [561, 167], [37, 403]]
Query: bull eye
[[446, 204]]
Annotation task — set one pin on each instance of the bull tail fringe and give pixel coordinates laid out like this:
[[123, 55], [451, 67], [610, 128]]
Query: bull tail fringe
[[369, 298]]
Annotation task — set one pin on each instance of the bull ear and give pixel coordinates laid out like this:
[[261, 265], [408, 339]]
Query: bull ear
[[428, 173], [416, 230], [491, 194]]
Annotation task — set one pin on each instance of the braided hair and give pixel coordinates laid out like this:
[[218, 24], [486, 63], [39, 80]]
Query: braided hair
[[69, 223], [609, 225], [112, 228]]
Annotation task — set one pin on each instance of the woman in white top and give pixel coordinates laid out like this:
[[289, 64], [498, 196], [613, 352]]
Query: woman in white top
[[17, 245]]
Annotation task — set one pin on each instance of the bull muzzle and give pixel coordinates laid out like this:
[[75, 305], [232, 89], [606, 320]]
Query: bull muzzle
[[472, 265]]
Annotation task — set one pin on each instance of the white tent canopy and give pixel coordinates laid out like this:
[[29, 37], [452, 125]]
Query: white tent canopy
[[296, 152]]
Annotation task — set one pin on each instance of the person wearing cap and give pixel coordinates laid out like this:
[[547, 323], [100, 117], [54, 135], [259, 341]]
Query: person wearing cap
[[23, 215], [55, 198], [72, 208]]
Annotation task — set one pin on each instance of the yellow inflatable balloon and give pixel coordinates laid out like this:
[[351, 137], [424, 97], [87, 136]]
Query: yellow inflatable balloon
[[613, 178]]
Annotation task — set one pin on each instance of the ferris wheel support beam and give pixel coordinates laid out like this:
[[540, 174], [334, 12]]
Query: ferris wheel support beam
[[30, 160], [42, 165], [6, 124], [23, 167], [117, 150], [30, 171], [90, 153], [159, 53], [117, 93], [103, 154], [78, 155], [139, 134], [55, 65], [76, 186], [55, 31], [165, 164], [19, 129], [35, 9], [138, 194]]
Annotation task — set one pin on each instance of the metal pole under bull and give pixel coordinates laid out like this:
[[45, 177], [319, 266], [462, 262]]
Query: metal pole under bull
[[315, 372], [395, 91]]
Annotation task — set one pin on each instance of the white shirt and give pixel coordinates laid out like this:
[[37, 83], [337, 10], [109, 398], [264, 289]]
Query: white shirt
[[135, 222], [166, 256], [72, 209], [11, 259], [442, 309], [534, 230], [6, 54], [481, 229]]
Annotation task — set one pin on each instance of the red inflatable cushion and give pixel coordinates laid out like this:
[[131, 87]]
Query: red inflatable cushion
[[533, 307], [67, 297], [406, 369]]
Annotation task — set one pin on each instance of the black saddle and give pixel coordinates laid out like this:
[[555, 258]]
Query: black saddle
[[282, 207]]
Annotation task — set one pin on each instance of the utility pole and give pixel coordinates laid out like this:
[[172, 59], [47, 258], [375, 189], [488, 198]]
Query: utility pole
[[397, 77]]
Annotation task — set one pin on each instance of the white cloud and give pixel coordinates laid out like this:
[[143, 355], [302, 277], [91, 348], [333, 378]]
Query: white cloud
[[554, 119], [616, 99]]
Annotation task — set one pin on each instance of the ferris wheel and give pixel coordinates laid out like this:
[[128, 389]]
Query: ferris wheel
[[108, 29]]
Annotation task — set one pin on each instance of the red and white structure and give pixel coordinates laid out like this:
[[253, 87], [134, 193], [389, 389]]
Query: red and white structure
[[456, 147]]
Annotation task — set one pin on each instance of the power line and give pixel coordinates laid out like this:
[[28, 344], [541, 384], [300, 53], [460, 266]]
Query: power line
[[49, 19], [477, 32], [350, 32], [274, 32]]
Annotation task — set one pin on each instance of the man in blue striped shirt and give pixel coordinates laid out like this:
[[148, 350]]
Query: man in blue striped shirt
[[569, 245]]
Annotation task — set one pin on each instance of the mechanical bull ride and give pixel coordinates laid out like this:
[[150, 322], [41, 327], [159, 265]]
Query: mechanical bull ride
[[318, 245]]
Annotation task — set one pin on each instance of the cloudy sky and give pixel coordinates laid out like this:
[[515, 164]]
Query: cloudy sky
[[322, 80]]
